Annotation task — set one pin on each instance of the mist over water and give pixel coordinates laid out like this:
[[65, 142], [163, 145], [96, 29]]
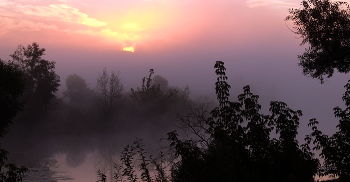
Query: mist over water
[[83, 130], [77, 133]]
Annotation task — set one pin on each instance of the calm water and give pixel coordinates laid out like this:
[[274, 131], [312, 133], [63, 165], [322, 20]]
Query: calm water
[[85, 172]]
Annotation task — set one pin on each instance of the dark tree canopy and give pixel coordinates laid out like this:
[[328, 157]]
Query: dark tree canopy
[[235, 143], [239, 146], [41, 80], [335, 149], [325, 27], [11, 89]]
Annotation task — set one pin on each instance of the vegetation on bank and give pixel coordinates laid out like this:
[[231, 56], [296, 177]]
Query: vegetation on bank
[[231, 142]]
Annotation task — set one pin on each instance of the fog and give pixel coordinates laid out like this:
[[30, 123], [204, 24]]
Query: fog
[[75, 135], [253, 40]]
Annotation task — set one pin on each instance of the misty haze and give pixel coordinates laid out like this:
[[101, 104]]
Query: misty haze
[[174, 91]]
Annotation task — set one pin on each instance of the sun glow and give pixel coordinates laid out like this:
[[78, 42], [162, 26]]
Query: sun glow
[[128, 49]]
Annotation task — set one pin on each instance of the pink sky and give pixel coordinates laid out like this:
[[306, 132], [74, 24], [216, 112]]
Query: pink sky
[[181, 40], [143, 24]]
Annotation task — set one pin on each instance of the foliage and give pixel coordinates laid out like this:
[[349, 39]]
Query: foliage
[[148, 91], [13, 173], [134, 158], [77, 91], [11, 89], [233, 144], [155, 94], [239, 147], [144, 165], [335, 149], [102, 177], [108, 91], [41, 80], [325, 26]]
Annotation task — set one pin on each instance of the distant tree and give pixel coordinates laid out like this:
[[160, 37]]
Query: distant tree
[[155, 94], [324, 26], [161, 82], [148, 91], [77, 91], [109, 91], [41, 80]]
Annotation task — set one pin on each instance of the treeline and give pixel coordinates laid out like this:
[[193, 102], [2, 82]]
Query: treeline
[[86, 119], [235, 143], [231, 142]]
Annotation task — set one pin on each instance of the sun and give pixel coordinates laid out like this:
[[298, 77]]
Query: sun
[[128, 49]]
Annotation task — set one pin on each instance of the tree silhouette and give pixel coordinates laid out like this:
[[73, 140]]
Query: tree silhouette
[[134, 158], [155, 95], [233, 144], [239, 147], [148, 91], [335, 149], [325, 27], [109, 90], [41, 80], [11, 89]]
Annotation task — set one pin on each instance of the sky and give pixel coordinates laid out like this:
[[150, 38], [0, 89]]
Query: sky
[[181, 34], [135, 24], [180, 40]]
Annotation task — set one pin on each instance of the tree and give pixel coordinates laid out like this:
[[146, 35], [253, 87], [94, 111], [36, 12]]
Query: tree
[[77, 91], [155, 94], [233, 144], [335, 149], [148, 91], [11, 89], [238, 144], [109, 90], [161, 82], [41, 80], [325, 26]]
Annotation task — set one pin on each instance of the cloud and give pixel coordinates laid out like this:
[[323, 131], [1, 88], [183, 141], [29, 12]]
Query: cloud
[[57, 12], [60, 12], [259, 3], [10, 24], [50, 21]]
